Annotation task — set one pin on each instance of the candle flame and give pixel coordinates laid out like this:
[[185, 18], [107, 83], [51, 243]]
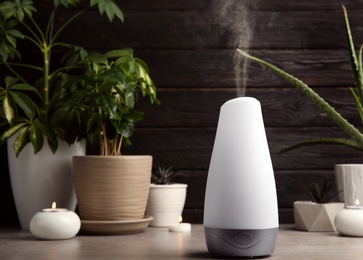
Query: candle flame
[[180, 219], [54, 205], [357, 202]]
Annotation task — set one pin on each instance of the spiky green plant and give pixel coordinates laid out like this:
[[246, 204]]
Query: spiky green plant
[[164, 175], [321, 192], [356, 137]]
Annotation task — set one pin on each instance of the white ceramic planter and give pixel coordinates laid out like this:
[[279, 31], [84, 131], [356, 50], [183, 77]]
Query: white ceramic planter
[[39, 180], [166, 203], [349, 178], [310, 216]]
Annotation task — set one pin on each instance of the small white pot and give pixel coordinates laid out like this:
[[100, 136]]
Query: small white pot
[[310, 216], [349, 178], [166, 203]]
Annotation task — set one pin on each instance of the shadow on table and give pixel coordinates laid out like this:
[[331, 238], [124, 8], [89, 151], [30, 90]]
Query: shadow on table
[[206, 255]]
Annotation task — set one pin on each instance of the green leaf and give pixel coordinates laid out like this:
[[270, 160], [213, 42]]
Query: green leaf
[[49, 133], [356, 66], [328, 141], [25, 87], [124, 129], [107, 104], [74, 55], [25, 102], [10, 81], [358, 103], [11, 40], [314, 97], [21, 141], [119, 53], [36, 138], [66, 2], [134, 116], [10, 131], [93, 121], [15, 33], [8, 109], [96, 58], [109, 7]]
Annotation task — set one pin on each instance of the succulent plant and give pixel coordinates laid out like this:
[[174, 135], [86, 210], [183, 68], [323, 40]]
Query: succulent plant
[[321, 192], [164, 175]]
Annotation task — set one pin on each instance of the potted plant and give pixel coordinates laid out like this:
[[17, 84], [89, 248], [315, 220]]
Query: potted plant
[[319, 213], [109, 187], [166, 199], [356, 137], [29, 96]]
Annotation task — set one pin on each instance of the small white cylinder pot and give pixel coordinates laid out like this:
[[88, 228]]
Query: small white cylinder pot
[[349, 178], [166, 203], [349, 222], [58, 224]]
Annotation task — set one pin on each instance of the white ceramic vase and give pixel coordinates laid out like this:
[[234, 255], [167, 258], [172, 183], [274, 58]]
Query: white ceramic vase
[[349, 178], [165, 203], [40, 179]]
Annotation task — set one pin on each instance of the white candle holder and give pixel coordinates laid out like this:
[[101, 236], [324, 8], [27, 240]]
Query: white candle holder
[[55, 224], [180, 228], [349, 221]]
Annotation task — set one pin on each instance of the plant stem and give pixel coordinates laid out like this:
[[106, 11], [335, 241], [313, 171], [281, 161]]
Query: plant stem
[[9, 64], [46, 53], [119, 146], [37, 41], [15, 73], [66, 24]]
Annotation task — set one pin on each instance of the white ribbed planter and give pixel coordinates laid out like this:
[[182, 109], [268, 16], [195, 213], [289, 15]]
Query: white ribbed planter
[[41, 179], [166, 203], [349, 178]]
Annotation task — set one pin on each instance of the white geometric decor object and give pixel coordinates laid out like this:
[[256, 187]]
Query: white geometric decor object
[[314, 217]]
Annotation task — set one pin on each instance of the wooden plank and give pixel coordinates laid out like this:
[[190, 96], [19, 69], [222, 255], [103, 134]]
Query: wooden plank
[[209, 29], [190, 148], [281, 107], [190, 29], [216, 68], [264, 5], [185, 5]]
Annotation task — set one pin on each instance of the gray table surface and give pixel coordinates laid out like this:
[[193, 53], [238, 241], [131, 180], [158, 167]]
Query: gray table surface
[[159, 243]]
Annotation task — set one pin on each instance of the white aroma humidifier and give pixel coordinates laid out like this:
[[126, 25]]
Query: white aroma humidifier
[[240, 212]]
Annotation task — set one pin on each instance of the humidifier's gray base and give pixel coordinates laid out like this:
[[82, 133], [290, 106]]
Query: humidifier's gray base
[[241, 243]]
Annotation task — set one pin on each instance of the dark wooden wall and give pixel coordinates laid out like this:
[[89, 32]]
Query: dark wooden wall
[[190, 49]]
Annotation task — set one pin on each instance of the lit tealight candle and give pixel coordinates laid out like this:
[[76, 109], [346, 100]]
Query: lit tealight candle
[[55, 223], [349, 221], [181, 227]]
